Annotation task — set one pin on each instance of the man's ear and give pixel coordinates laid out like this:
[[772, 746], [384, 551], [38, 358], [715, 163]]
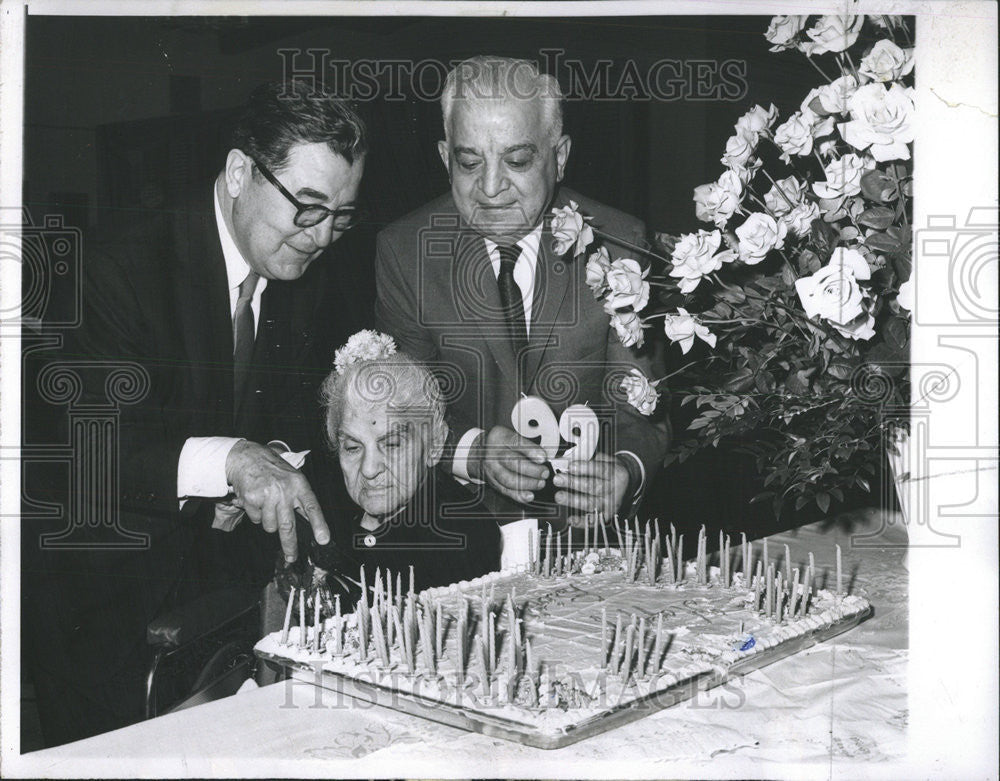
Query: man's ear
[[439, 435], [445, 153], [562, 155], [239, 168]]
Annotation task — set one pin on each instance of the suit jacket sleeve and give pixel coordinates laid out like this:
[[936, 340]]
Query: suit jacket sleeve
[[116, 334]]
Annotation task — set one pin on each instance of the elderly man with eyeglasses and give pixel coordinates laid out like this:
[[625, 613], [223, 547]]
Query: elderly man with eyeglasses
[[228, 317]]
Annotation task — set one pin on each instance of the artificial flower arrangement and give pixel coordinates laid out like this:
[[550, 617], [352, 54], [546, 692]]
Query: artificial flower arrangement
[[798, 295]]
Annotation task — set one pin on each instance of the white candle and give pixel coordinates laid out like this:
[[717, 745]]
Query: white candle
[[316, 626], [337, 627], [288, 616], [604, 637], [840, 589], [302, 618]]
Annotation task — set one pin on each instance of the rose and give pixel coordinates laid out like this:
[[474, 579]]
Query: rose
[[683, 328], [569, 227], [782, 31], [717, 201], [881, 119], [778, 205], [759, 235], [905, 296], [800, 219], [598, 266], [843, 177], [739, 149], [833, 33], [640, 392], [886, 62], [861, 327], [627, 285], [629, 327], [833, 293], [831, 98], [757, 120], [795, 136], [695, 256]]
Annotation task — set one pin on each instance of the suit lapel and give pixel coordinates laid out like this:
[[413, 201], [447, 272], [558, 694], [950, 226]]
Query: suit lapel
[[553, 276], [475, 288]]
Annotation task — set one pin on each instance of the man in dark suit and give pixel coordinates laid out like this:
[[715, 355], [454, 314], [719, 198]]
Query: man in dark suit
[[471, 284], [231, 328]]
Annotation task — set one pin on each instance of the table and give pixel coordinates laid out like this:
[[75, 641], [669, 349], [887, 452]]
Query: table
[[838, 709]]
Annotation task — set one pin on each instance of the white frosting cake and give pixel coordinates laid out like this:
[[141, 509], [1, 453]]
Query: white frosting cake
[[591, 649]]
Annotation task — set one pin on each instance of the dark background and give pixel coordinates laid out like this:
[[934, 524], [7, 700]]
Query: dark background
[[122, 115]]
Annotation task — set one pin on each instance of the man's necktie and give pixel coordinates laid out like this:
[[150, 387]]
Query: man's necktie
[[511, 298], [243, 336]]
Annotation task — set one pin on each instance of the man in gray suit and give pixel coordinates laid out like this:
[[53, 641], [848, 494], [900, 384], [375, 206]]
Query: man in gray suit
[[444, 291]]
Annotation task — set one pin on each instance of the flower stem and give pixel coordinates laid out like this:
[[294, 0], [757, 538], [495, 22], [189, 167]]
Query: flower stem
[[629, 244], [781, 192], [821, 73]]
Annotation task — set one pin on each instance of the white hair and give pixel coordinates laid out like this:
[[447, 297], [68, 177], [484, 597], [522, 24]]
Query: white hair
[[490, 78]]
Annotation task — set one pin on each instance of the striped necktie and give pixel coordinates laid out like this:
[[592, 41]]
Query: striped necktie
[[511, 297]]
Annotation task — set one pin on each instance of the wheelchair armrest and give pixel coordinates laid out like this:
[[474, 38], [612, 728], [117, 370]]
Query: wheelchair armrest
[[200, 617]]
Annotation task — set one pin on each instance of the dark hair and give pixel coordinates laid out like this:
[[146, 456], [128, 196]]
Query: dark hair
[[279, 115]]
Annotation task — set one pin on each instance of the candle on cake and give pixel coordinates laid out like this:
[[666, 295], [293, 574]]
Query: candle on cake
[[288, 615], [302, 618]]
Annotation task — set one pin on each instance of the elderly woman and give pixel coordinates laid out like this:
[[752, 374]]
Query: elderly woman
[[388, 503]]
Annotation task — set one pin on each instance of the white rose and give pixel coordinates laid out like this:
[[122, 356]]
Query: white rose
[[833, 292], [886, 62], [628, 326], [759, 235], [795, 136], [861, 327], [640, 392], [695, 256], [776, 204], [717, 201], [831, 98], [800, 219], [682, 328], [782, 31], [905, 296], [881, 119], [739, 149], [598, 266], [757, 120], [843, 177], [568, 228], [627, 285], [833, 33]]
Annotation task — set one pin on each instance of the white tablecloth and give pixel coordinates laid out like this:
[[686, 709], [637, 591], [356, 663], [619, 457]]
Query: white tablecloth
[[838, 710]]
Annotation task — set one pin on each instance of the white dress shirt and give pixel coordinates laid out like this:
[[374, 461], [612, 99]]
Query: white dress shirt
[[201, 468]]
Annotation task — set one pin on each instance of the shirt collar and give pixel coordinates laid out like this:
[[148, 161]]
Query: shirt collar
[[529, 243]]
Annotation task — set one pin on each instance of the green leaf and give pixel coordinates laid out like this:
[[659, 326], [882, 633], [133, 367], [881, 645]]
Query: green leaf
[[840, 371], [877, 217], [801, 502], [875, 183], [897, 332], [883, 242], [823, 501]]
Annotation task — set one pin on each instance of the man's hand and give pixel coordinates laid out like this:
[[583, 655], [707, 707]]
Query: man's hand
[[596, 486], [513, 465], [271, 490]]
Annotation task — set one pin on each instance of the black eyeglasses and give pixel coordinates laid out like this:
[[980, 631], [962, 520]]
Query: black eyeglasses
[[309, 214]]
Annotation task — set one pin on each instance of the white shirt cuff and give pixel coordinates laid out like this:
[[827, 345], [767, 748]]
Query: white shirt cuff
[[642, 471], [201, 469], [460, 461]]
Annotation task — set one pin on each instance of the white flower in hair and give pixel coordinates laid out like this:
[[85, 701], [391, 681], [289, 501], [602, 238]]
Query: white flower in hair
[[365, 345]]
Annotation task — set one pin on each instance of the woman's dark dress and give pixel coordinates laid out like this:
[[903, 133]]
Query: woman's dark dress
[[444, 532]]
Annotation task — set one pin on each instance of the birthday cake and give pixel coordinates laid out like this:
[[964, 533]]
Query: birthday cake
[[568, 645]]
